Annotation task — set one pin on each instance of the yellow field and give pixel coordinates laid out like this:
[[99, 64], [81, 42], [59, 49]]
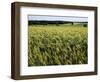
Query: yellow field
[[57, 45]]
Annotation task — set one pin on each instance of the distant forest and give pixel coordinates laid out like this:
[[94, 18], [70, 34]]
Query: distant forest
[[42, 22]]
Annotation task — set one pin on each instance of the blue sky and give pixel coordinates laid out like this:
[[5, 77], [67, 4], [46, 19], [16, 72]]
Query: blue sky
[[58, 18]]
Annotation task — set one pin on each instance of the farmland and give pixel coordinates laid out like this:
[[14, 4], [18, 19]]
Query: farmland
[[57, 45]]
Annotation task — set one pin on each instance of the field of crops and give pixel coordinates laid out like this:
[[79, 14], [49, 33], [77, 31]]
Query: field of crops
[[57, 45]]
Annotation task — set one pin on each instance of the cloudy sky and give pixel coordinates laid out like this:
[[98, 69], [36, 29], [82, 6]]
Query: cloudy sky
[[58, 18]]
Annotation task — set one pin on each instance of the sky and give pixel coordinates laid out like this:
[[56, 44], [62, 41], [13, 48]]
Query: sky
[[57, 18]]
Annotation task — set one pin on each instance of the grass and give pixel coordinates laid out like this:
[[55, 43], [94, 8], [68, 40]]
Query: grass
[[57, 45]]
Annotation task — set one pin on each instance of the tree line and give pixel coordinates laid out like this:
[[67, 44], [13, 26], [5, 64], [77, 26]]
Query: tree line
[[54, 23]]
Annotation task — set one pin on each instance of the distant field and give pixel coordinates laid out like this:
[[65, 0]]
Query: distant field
[[57, 45]]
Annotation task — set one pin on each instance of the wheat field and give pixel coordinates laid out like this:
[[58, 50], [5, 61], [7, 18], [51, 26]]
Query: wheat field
[[57, 45]]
